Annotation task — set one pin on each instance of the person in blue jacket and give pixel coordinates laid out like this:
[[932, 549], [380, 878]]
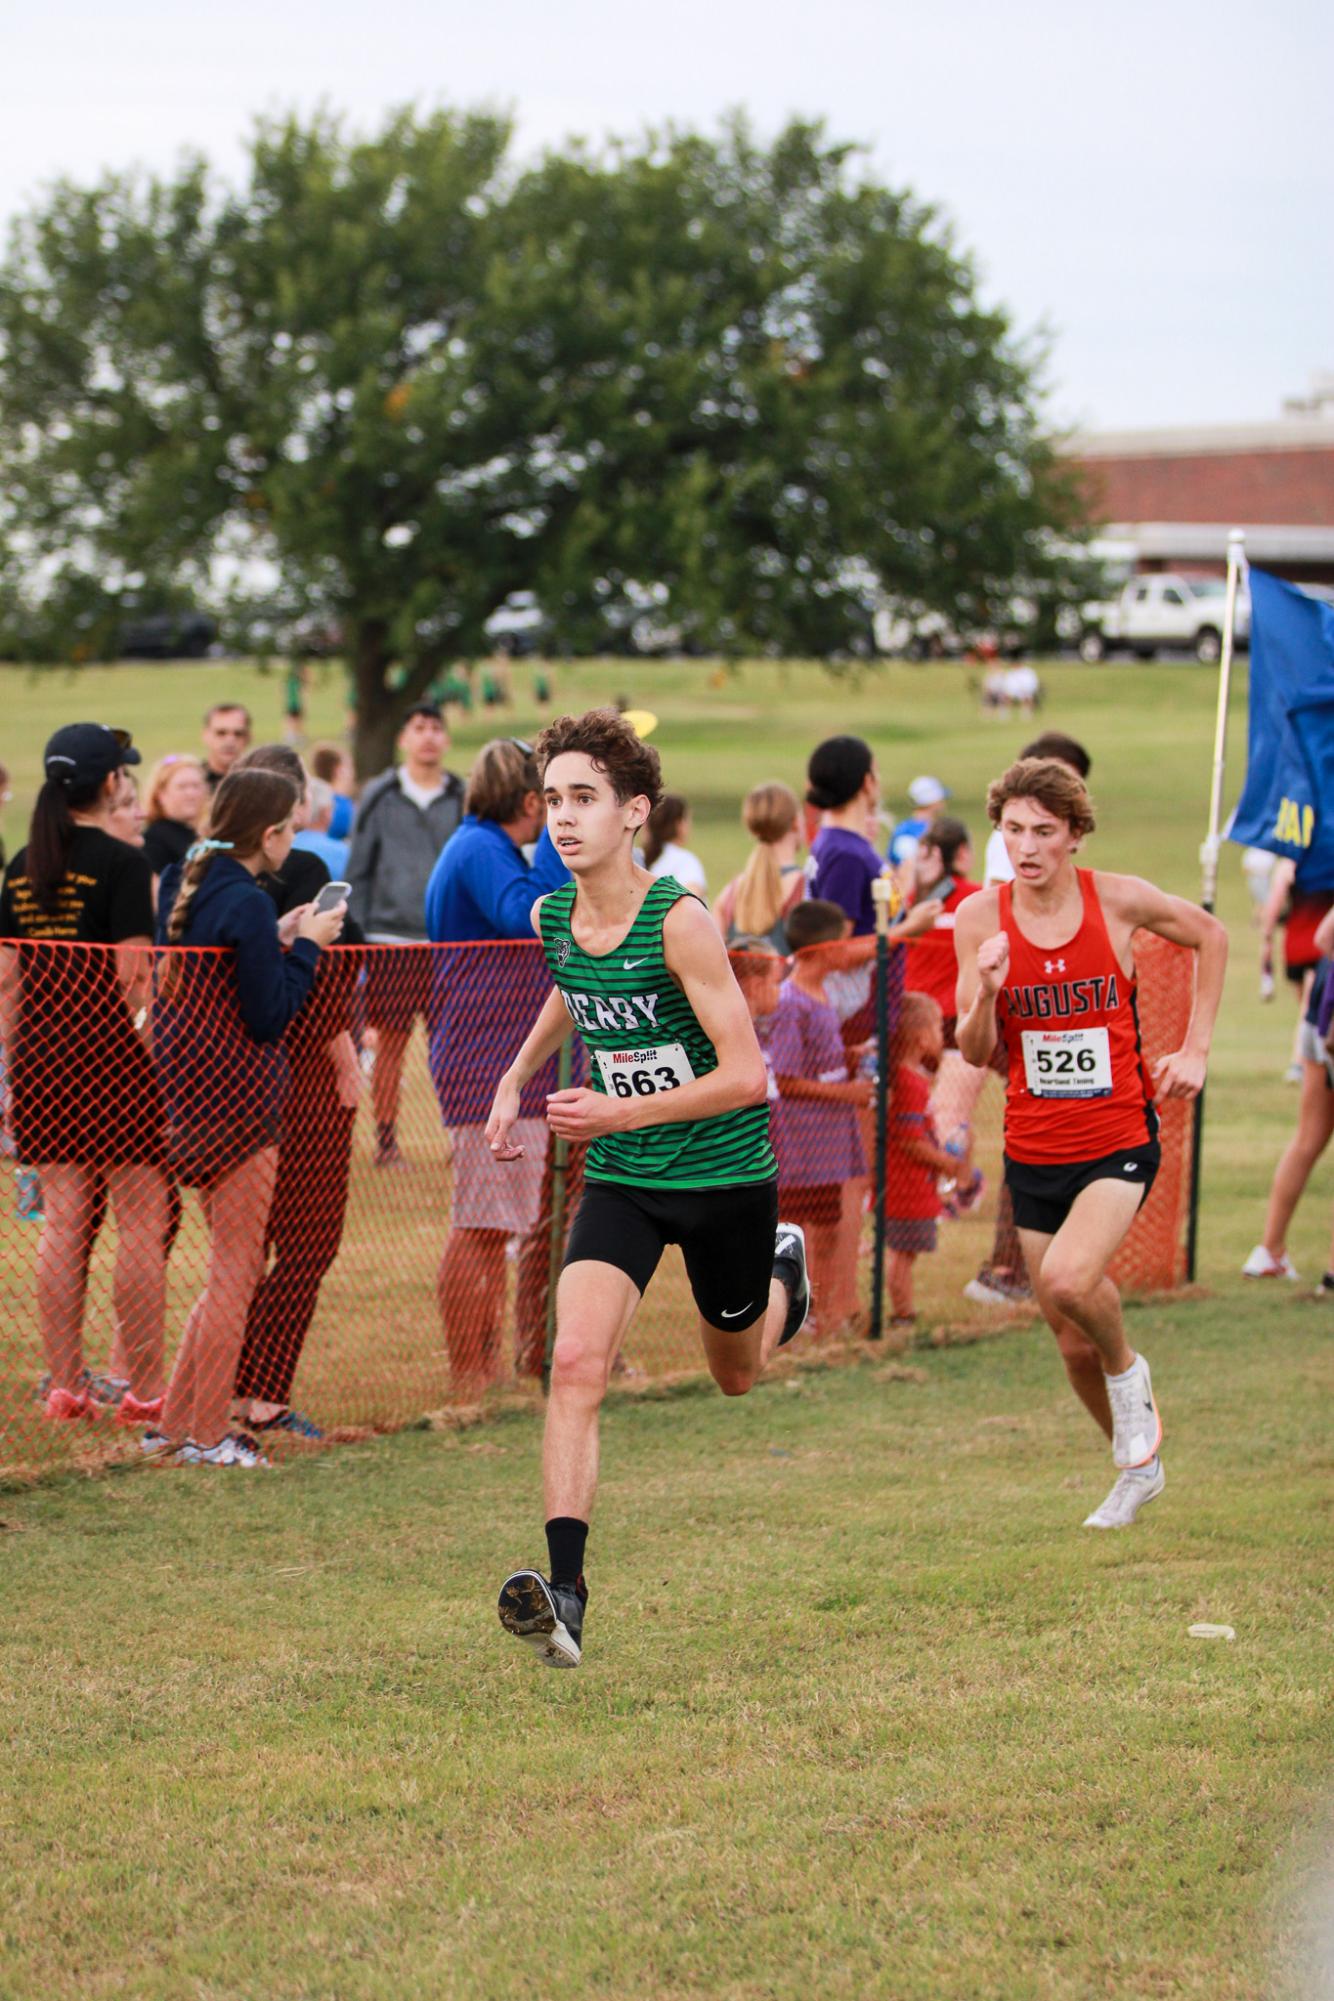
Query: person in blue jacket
[[218, 1024], [481, 896]]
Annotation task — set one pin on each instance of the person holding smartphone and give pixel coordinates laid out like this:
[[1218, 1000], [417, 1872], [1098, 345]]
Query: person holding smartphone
[[219, 1024], [306, 1217]]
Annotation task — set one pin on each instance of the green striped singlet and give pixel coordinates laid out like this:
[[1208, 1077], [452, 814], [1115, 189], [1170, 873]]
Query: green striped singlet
[[635, 1022]]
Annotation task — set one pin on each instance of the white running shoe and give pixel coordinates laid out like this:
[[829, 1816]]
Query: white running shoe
[[236, 1449], [1131, 1492], [1137, 1429], [1261, 1264]]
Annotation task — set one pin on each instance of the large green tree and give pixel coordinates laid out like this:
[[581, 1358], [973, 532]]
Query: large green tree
[[738, 387]]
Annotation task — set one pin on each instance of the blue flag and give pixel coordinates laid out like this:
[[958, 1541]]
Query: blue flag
[[1287, 803]]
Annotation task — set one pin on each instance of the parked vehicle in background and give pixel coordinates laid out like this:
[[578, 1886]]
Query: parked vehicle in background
[[167, 635], [1159, 613]]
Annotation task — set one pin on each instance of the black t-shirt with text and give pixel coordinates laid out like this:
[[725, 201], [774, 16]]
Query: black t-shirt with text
[[105, 896]]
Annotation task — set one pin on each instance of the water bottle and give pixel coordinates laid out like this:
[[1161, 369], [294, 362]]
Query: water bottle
[[28, 1193]]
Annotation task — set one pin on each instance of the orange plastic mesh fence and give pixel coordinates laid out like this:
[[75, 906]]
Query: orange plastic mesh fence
[[318, 1225]]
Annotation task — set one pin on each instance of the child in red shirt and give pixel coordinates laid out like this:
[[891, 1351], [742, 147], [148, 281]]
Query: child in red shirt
[[915, 1159]]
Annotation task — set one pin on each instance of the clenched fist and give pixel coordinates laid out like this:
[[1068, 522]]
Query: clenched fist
[[993, 963]]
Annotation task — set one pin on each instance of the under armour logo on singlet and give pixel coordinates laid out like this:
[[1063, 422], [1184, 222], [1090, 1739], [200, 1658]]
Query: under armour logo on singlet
[[1053, 965]]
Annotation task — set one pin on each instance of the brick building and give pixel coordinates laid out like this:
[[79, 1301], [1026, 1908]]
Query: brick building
[[1167, 498]]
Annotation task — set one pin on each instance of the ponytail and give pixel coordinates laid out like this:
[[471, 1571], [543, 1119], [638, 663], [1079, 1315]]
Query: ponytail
[[245, 806], [663, 825], [50, 833], [769, 813], [758, 903]]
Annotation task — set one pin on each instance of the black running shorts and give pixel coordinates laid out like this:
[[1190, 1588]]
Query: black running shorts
[[726, 1237], [1044, 1196]]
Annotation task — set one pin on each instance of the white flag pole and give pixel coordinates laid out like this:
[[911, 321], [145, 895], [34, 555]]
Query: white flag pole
[[1236, 555], [1236, 544]]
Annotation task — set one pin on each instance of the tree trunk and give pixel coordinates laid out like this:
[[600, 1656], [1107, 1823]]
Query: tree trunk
[[377, 706]]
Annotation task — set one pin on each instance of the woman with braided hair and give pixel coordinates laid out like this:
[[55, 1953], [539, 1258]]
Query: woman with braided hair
[[220, 1019]]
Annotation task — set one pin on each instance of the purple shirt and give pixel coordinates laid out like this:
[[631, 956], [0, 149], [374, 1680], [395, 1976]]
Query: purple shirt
[[816, 1143], [845, 867]]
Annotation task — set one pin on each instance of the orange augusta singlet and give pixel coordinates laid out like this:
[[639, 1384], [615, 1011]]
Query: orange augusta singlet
[[1077, 1086]]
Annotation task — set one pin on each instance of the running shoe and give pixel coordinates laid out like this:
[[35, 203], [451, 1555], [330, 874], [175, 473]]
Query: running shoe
[[1263, 1264], [995, 1288], [153, 1442], [236, 1449], [1325, 1289], [106, 1391], [1131, 1492], [790, 1269], [288, 1420], [1137, 1429], [136, 1410], [547, 1617], [64, 1406], [101, 1389]]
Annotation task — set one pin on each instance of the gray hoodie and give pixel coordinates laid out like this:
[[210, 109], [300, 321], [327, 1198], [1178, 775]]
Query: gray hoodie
[[394, 848]]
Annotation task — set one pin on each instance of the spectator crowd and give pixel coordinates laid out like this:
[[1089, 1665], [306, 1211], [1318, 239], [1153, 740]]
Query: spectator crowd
[[203, 977]]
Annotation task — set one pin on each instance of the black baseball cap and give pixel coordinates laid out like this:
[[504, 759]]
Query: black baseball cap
[[83, 753], [431, 709]]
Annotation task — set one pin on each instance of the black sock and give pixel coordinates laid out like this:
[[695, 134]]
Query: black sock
[[566, 1538]]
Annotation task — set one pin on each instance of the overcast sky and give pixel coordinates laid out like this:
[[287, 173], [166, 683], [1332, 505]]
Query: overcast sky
[[1154, 183]]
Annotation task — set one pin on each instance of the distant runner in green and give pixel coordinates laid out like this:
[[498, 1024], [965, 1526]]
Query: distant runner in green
[[677, 1122]]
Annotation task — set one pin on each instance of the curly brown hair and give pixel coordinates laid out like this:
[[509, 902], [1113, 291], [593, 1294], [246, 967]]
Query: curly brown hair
[[634, 768], [1057, 788]]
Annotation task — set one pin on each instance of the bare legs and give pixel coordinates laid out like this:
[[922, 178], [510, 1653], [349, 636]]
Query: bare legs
[[387, 1074], [200, 1391], [62, 1269], [70, 1201], [595, 1304], [470, 1292], [838, 1301], [1082, 1306], [139, 1197], [900, 1264], [1315, 1124], [829, 1278]]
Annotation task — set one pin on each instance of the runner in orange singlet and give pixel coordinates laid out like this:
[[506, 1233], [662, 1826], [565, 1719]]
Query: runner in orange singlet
[[1046, 966]]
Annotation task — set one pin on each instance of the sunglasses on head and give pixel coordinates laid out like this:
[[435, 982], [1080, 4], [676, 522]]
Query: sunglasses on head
[[519, 744]]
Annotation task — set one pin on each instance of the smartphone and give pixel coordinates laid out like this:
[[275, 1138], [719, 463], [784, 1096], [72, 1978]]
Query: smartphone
[[332, 895]]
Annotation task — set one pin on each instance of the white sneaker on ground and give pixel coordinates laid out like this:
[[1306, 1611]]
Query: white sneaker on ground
[[990, 1288], [1128, 1496], [233, 1450], [1137, 1429], [1262, 1264]]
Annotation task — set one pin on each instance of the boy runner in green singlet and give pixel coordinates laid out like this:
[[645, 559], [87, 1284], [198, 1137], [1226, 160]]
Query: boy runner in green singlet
[[677, 1123]]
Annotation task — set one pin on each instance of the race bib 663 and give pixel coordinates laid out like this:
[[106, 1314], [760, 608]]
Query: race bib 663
[[642, 1073]]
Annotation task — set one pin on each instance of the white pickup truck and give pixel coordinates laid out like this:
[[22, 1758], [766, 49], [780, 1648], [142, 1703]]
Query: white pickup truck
[[1163, 612]]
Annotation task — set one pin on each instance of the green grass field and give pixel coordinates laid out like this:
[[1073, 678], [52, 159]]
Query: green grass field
[[864, 1712]]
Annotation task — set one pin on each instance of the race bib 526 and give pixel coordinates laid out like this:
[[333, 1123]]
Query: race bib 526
[[1067, 1062]]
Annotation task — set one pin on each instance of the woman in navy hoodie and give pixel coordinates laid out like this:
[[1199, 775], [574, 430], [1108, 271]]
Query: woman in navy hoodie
[[219, 1021]]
